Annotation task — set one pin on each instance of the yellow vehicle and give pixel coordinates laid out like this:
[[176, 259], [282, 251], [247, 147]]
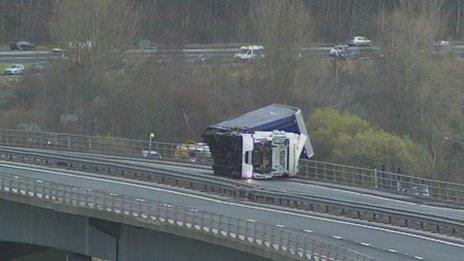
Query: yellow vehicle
[[181, 151], [193, 152]]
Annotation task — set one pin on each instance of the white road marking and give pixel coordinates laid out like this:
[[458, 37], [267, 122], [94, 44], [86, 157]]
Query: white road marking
[[308, 231], [419, 257], [357, 193], [250, 220], [365, 244], [279, 225], [238, 204], [161, 164], [337, 237], [392, 250], [379, 197]]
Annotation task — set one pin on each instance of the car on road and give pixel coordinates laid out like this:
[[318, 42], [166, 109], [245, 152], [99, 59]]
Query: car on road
[[359, 41], [151, 154], [343, 52], [193, 152], [145, 45], [22, 46], [249, 53], [202, 58], [442, 46], [461, 54], [14, 69], [55, 142], [56, 53]]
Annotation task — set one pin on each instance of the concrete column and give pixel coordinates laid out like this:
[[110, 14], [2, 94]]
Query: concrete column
[[77, 257]]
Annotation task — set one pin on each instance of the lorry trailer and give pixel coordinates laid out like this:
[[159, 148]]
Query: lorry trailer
[[262, 144]]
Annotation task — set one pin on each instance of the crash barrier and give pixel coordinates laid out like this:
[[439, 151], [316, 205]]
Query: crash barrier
[[309, 169], [232, 188], [292, 245], [381, 180]]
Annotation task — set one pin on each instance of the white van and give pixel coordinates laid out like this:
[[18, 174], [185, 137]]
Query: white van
[[249, 53]]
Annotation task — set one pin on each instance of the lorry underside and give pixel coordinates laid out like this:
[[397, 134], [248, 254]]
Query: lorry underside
[[259, 155], [226, 150]]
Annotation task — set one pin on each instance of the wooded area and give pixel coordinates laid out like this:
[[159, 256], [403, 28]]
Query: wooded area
[[220, 21]]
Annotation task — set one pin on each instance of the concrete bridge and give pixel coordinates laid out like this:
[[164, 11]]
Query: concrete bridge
[[135, 222], [26, 230], [118, 215]]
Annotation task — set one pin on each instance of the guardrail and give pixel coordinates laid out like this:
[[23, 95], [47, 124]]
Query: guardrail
[[309, 169], [231, 188], [381, 180], [271, 238]]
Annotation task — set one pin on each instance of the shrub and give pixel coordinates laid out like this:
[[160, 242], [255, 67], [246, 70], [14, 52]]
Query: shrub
[[348, 139]]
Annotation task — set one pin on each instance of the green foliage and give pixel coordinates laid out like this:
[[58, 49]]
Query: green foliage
[[347, 139]]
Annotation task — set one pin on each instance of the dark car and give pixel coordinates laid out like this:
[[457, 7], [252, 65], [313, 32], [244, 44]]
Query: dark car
[[343, 52], [461, 54], [56, 53], [22, 46], [442, 46]]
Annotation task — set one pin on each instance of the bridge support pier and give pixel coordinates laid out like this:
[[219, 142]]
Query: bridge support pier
[[36, 229], [77, 257]]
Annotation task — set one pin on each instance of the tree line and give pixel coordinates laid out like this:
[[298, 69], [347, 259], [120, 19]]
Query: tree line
[[218, 21], [402, 109]]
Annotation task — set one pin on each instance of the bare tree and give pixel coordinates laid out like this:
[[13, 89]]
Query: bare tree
[[93, 28], [412, 88], [282, 26], [95, 35]]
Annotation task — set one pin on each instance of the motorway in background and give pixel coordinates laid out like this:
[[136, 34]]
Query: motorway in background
[[194, 55]]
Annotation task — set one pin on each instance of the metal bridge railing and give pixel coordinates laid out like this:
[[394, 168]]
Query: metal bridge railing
[[271, 238], [309, 169], [227, 187], [382, 180]]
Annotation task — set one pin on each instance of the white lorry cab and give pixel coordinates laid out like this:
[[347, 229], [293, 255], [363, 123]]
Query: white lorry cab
[[249, 53], [262, 144], [270, 154]]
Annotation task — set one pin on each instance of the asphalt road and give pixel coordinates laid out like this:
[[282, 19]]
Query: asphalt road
[[212, 55], [294, 186], [380, 243], [23, 57], [302, 188]]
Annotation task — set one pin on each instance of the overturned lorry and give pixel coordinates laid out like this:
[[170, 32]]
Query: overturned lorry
[[262, 144]]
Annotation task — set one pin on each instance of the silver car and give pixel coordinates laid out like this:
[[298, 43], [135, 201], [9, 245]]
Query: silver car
[[14, 69]]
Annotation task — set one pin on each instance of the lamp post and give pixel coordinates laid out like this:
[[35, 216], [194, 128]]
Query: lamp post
[[150, 142]]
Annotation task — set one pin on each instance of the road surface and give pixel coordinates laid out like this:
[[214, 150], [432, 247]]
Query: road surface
[[380, 243]]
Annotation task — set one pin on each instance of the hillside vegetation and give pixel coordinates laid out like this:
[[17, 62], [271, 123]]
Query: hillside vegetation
[[409, 99]]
